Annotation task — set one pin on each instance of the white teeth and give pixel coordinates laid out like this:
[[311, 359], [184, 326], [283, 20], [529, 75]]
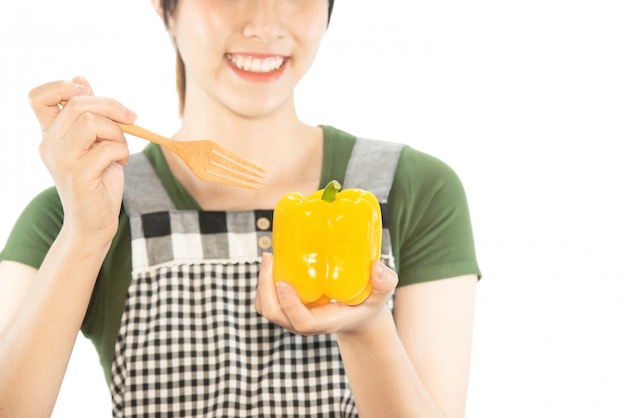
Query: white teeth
[[256, 65]]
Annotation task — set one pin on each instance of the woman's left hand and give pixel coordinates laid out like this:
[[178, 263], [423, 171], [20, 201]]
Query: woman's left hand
[[279, 303]]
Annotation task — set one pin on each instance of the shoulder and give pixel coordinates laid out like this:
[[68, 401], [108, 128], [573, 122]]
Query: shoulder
[[411, 161], [426, 190], [426, 175], [427, 210], [429, 220], [416, 174]]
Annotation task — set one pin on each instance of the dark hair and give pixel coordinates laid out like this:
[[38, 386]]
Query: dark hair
[[169, 7]]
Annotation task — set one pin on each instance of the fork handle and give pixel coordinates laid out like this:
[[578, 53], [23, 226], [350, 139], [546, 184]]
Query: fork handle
[[140, 132]]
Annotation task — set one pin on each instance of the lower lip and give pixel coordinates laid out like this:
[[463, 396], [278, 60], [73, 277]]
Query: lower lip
[[258, 77]]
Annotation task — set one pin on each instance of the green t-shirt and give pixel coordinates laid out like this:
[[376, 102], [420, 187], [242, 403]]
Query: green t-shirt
[[428, 219]]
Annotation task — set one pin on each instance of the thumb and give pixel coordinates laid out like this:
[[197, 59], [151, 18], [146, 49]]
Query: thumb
[[384, 279]]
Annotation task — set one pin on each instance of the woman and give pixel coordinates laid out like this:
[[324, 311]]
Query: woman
[[202, 329]]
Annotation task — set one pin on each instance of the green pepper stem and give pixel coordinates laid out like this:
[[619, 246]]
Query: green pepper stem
[[330, 191]]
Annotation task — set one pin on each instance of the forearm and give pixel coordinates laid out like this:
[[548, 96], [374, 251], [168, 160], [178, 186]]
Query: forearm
[[36, 345], [382, 378]]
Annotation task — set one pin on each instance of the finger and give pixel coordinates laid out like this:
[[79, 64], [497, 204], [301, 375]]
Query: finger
[[103, 106], [67, 163], [265, 283], [104, 154], [298, 315], [44, 99], [93, 165], [383, 280], [84, 112], [91, 128], [83, 81], [266, 302]]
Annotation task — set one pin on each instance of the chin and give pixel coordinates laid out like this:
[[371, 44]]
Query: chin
[[256, 109]]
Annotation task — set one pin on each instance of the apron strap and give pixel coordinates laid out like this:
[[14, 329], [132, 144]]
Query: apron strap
[[143, 189], [372, 167]]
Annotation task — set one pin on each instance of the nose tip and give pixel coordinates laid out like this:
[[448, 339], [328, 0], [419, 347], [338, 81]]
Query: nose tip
[[264, 21], [267, 33]]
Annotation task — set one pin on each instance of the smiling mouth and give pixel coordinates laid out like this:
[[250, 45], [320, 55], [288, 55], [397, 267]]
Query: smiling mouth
[[256, 64]]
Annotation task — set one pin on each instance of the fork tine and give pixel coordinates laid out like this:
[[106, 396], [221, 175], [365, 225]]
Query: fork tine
[[227, 172], [228, 178], [231, 155], [220, 161]]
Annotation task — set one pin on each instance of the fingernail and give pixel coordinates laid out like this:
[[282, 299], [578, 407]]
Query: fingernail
[[265, 260], [129, 113], [281, 288], [380, 269], [82, 89]]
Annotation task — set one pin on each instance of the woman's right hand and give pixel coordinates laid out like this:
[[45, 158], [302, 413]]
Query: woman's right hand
[[84, 149]]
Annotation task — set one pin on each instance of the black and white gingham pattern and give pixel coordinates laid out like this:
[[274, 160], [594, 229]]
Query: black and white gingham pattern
[[190, 342], [191, 236]]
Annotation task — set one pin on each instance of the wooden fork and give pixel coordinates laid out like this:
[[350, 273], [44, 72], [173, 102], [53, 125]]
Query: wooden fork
[[207, 159]]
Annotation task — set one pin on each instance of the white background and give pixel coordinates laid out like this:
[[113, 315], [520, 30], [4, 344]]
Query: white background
[[526, 100]]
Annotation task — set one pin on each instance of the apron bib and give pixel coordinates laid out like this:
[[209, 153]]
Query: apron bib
[[190, 343]]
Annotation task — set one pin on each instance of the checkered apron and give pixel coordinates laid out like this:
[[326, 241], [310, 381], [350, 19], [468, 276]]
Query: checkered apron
[[190, 343]]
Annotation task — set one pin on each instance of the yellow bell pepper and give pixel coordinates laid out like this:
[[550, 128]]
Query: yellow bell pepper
[[324, 245]]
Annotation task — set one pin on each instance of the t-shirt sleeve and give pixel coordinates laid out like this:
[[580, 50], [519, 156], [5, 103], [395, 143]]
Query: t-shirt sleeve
[[35, 230], [431, 230]]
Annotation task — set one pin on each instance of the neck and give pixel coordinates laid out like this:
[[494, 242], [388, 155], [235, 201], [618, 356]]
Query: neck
[[255, 137], [278, 142]]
